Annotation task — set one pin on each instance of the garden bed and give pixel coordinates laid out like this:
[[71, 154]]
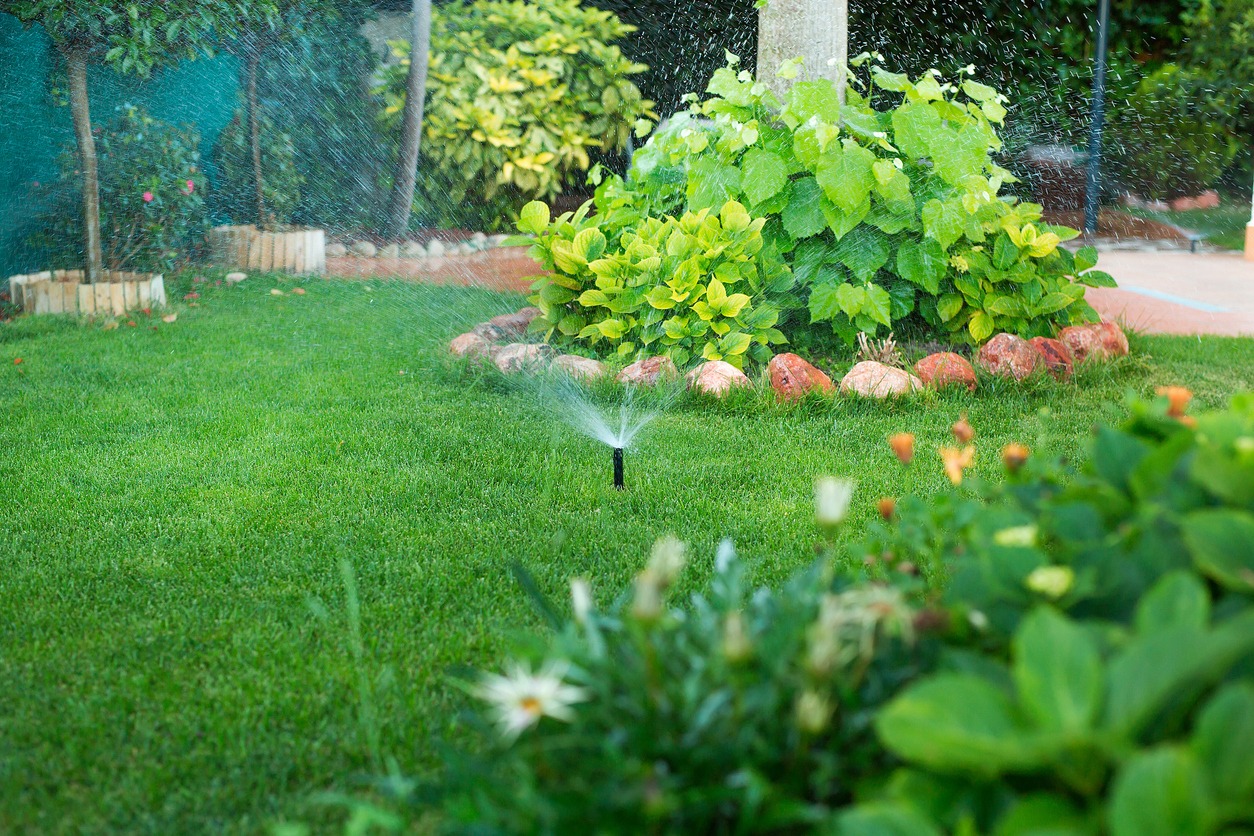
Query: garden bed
[[63, 292]]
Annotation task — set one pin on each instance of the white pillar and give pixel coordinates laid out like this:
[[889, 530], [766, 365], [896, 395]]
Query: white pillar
[[1249, 232], [815, 30]]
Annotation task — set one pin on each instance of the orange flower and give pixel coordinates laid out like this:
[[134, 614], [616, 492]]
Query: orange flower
[[903, 446], [1014, 456], [963, 431], [1177, 399], [888, 507], [956, 461]]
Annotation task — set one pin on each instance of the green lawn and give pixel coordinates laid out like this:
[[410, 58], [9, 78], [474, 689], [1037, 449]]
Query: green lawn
[[175, 655], [1223, 227]]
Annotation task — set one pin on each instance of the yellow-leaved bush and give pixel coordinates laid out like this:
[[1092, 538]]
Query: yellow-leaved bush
[[698, 286], [518, 97]]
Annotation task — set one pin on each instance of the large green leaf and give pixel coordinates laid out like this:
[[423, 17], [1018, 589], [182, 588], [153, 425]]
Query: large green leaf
[[944, 220], [1170, 664], [922, 263], [1224, 742], [879, 305], [803, 214], [533, 218], [1178, 599], [864, 251], [962, 154], [1221, 542], [917, 128], [883, 820], [711, 184], [807, 99], [960, 722], [851, 299], [844, 173], [1057, 672], [1160, 793], [825, 302], [763, 174]]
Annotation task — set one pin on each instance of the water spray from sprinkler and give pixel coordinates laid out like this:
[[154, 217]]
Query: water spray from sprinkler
[[618, 468]]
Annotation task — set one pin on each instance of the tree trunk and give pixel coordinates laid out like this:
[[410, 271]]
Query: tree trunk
[[252, 63], [816, 30], [76, 64], [402, 202]]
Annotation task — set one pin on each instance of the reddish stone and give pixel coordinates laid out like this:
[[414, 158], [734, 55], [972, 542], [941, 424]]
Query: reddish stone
[[945, 369], [870, 379], [1208, 199], [1058, 358], [468, 345], [1113, 339], [792, 378], [1008, 356], [1084, 343], [716, 377], [515, 323], [649, 371]]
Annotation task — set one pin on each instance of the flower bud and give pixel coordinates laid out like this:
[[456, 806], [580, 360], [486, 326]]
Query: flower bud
[[813, 712], [647, 604], [831, 500], [581, 599], [667, 560], [903, 446], [736, 644], [1014, 456], [1051, 581], [962, 431], [887, 507], [957, 461], [1178, 399]]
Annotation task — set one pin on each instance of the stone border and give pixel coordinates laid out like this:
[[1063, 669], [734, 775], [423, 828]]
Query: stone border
[[63, 292], [436, 248]]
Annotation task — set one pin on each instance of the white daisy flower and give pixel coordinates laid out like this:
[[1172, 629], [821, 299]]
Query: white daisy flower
[[831, 500], [520, 698]]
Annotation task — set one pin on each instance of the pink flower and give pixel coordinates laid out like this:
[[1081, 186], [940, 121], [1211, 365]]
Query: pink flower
[[147, 197], [191, 187]]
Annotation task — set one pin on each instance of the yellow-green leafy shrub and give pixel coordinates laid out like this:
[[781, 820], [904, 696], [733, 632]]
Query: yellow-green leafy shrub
[[696, 286], [518, 96]]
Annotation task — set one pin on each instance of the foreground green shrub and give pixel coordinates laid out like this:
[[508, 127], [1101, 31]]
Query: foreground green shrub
[[152, 197], [518, 97], [1080, 660], [696, 286], [888, 209]]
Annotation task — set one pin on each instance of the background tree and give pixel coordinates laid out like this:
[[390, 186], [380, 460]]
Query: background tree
[[402, 201], [817, 31], [132, 40], [265, 28]]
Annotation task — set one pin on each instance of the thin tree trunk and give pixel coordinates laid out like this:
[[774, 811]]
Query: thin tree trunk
[[816, 30], [402, 202], [251, 64], [76, 64]]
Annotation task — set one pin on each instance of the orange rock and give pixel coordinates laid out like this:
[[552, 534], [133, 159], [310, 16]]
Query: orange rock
[[1009, 356], [1098, 341], [792, 377], [515, 323], [649, 371], [944, 369], [468, 345], [1058, 358]]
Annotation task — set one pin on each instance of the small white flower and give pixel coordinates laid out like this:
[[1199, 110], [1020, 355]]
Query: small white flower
[[667, 559], [520, 698], [736, 643], [969, 69], [897, 163], [978, 620], [581, 599], [935, 73], [879, 135], [831, 499], [1022, 536]]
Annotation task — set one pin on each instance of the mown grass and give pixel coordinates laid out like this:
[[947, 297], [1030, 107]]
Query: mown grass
[[1223, 226], [175, 654]]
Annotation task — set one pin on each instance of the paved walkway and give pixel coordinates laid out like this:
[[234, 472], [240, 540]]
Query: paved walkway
[[1165, 291], [1173, 292]]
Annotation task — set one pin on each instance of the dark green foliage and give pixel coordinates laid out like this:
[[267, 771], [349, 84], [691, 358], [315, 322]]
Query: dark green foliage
[[235, 194], [138, 155]]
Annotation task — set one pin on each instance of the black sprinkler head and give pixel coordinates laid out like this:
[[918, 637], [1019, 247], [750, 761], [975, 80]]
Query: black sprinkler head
[[618, 468]]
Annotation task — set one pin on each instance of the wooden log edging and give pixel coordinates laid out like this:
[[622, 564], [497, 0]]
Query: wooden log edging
[[246, 247], [63, 292]]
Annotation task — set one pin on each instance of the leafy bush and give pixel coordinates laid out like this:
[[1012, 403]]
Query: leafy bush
[[518, 94], [152, 197], [1081, 662], [1174, 137], [236, 195], [890, 218], [696, 286]]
